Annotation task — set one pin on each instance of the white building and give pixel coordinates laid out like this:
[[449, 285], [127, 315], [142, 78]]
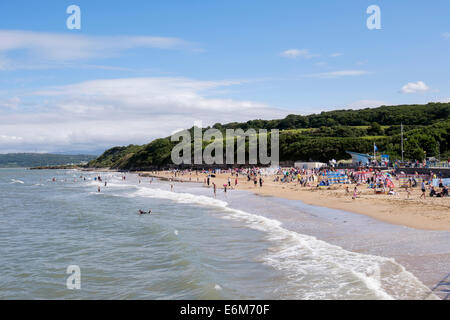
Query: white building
[[309, 165]]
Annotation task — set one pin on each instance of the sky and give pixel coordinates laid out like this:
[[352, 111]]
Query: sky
[[139, 70]]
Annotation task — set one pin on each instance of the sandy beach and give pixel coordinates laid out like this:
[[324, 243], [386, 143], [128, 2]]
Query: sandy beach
[[428, 214]]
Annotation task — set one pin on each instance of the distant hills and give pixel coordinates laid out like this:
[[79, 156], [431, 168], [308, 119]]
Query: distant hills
[[322, 137], [25, 160]]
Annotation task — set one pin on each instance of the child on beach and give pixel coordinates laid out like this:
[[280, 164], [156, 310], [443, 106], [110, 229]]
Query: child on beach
[[355, 193]]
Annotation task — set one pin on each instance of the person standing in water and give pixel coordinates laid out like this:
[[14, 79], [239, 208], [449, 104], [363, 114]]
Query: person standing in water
[[98, 189], [215, 189]]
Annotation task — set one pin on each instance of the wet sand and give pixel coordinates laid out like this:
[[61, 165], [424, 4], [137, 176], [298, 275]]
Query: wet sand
[[424, 214]]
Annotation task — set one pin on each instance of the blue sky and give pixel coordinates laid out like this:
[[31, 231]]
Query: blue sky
[[138, 70]]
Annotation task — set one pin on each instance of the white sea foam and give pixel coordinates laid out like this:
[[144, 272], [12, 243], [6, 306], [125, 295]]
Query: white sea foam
[[328, 271], [179, 197], [17, 181]]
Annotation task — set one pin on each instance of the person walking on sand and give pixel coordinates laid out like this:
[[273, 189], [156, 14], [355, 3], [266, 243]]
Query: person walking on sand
[[423, 190], [255, 182], [261, 182]]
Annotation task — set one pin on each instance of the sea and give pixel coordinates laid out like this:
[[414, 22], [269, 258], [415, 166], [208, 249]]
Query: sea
[[195, 246]]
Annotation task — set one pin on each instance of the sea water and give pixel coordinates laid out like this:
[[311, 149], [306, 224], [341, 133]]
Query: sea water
[[192, 245]]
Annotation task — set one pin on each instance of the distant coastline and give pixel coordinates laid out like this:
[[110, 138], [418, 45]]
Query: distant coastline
[[38, 160]]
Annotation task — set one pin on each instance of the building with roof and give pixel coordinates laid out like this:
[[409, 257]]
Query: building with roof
[[360, 158]]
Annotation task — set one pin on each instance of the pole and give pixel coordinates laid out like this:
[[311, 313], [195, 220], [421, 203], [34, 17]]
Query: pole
[[439, 152], [374, 154], [401, 126]]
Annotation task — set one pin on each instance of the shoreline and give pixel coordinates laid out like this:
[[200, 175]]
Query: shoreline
[[422, 253], [351, 231], [428, 214]]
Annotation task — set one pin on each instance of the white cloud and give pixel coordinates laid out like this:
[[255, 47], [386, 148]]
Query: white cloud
[[362, 62], [297, 53], [59, 47], [98, 114], [362, 104], [340, 73], [415, 87], [446, 35], [11, 103], [336, 54]]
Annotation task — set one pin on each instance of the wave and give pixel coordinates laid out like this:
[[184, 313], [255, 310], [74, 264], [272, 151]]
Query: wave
[[315, 269], [17, 181]]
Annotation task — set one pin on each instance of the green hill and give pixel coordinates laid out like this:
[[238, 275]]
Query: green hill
[[25, 160], [323, 136]]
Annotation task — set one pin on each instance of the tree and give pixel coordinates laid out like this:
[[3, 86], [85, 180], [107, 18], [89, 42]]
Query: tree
[[375, 129]]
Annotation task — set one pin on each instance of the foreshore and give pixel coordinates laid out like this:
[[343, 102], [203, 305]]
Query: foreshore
[[413, 212]]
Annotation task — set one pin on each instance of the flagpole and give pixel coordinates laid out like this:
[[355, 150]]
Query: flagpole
[[374, 155], [401, 127]]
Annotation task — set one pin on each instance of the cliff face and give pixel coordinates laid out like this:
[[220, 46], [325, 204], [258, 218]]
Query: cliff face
[[320, 137]]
